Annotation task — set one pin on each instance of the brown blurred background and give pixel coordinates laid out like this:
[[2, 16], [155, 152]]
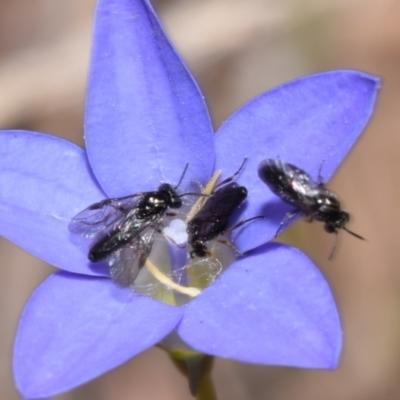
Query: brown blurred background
[[236, 49]]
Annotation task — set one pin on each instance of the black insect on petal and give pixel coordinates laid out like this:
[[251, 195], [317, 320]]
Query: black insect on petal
[[311, 198], [124, 229]]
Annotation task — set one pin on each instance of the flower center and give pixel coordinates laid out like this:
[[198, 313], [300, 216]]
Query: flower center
[[172, 274]]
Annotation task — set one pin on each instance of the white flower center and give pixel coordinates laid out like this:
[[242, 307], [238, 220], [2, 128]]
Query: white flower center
[[170, 274]]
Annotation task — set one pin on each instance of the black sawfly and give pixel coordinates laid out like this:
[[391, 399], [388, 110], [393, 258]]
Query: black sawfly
[[213, 218], [124, 229], [311, 198]]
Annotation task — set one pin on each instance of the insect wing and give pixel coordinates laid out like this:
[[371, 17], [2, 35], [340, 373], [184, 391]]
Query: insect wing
[[213, 217], [103, 216], [223, 202], [290, 183], [126, 263]]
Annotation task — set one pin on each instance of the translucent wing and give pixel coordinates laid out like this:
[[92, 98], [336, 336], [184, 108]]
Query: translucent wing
[[103, 216], [290, 183], [300, 188], [125, 263], [222, 203]]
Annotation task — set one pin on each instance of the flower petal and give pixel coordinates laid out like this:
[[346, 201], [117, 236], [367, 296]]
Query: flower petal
[[75, 328], [145, 116], [272, 307], [44, 182], [309, 122]]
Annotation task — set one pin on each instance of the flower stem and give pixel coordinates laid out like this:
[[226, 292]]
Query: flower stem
[[197, 368], [206, 389]]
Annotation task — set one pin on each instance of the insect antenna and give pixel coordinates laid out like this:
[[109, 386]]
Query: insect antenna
[[194, 194], [354, 234], [321, 180], [231, 178], [182, 176], [188, 193]]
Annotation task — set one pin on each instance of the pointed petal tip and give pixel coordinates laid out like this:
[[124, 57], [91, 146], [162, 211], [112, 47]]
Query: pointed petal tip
[[75, 328], [275, 308], [349, 73], [141, 96], [40, 195], [314, 118]]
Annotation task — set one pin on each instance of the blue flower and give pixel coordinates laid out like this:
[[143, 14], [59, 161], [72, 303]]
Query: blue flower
[[145, 119]]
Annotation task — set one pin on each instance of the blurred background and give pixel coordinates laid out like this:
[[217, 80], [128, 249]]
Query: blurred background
[[236, 49]]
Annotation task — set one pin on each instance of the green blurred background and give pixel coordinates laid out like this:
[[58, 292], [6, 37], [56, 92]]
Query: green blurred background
[[236, 49]]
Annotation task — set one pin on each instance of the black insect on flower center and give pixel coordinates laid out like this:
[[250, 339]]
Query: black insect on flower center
[[124, 229], [213, 218], [148, 213], [296, 187]]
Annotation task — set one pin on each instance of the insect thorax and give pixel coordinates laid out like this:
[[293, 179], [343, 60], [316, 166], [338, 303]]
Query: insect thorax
[[170, 196], [156, 203]]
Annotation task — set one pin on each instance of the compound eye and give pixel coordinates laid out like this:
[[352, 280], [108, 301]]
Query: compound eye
[[345, 217]]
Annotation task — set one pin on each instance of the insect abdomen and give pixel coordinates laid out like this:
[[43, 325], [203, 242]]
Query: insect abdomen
[[106, 246]]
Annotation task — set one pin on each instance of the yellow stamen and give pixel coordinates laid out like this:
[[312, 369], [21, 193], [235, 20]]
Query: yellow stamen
[[190, 291], [200, 202]]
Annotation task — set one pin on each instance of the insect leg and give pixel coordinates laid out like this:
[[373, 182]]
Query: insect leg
[[239, 224], [231, 245], [286, 218], [228, 231], [334, 247]]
